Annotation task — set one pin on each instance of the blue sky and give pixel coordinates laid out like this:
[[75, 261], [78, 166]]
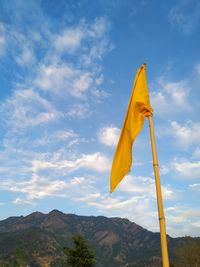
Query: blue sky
[[67, 69]]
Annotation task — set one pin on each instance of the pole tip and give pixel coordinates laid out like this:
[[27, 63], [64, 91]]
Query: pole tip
[[144, 66]]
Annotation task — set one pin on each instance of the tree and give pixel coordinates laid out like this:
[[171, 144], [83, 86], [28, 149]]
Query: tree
[[81, 254]]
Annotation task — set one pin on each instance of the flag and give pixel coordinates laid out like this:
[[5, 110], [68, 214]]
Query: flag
[[139, 107]]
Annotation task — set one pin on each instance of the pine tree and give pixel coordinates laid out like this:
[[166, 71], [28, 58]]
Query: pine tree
[[81, 254]]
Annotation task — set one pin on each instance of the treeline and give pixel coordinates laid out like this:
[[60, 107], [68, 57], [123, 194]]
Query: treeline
[[187, 253], [82, 254]]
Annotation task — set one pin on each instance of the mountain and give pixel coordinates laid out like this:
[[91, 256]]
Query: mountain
[[38, 240]]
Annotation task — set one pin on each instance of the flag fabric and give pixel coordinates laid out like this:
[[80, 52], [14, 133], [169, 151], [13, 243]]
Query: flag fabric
[[139, 107]]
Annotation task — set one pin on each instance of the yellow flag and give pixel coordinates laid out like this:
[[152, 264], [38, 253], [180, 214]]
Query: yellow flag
[[139, 107]]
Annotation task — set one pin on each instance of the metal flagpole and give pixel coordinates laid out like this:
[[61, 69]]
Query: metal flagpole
[[161, 216]]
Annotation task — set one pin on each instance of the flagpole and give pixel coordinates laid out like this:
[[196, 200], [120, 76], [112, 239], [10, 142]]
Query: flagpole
[[161, 216]]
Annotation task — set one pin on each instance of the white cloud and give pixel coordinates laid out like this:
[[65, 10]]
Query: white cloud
[[27, 108], [63, 134], [96, 161], [69, 40], [138, 184], [54, 77], [196, 224], [171, 97], [167, 192], [90, 197], [187, 134], [144, 186], [96, 52], [82, 84], [178, 92], [75, 77], [159, 102], [39, 187], [164, 170], [20, 45], [65, 79], [109, 135], [76, 141], [109, 203], [99, 28], [187, 169], [182, 221], [21, 201], [97, 32]]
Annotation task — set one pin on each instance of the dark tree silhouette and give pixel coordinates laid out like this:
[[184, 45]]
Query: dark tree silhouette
[[81, 254]]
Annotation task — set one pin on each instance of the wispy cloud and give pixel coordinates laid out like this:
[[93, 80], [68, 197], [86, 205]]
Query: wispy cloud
[[171, 97], [187, 169], [96, 161], [21, 201], [182, 220], [69, 40], [30, 114], [39, 187], [35, 188], [2, 39], [27, 108], [195, 187], [57, 136], [144, 186], [51, 72], [79, 110], [187, 134], [27, 57], [63, 78], [186, 15]]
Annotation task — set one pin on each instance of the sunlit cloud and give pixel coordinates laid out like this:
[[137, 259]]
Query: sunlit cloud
[[109, 135], [95, 161]]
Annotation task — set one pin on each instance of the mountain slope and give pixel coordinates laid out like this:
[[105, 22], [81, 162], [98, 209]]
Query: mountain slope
[[38, 240]]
